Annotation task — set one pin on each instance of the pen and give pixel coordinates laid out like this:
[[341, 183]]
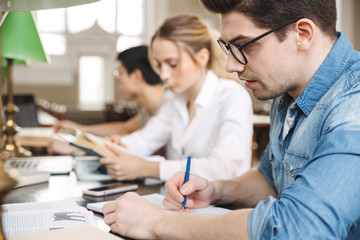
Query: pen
[[186, 177], [116, 141]]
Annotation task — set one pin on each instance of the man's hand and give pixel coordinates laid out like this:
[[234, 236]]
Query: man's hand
[[132, 216], [199, 192]]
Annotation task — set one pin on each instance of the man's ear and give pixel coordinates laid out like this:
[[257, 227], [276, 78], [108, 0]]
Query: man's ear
[[202, 57], [306, 30], [137, 76]]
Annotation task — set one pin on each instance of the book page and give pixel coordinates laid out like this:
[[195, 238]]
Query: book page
[[22, 218], [87, 142]]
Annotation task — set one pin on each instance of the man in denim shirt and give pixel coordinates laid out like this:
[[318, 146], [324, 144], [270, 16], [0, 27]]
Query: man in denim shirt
[[307, 184]]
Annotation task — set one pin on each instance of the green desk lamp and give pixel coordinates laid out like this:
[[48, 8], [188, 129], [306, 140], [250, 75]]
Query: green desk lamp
[[7, 182], [20, 41]]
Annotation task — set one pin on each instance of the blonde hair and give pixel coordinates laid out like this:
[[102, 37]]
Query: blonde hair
[[189, 33]]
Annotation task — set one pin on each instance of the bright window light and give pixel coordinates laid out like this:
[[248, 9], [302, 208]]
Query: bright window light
[[84, 16], [54, 44], [51, 20], [124, 42], [130, 17], [91, 81]]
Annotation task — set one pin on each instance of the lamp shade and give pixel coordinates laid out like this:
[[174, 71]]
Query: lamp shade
[[31, 5], [20, 38]]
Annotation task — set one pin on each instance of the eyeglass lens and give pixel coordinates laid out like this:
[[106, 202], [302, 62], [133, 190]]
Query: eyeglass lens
[[234, 50]]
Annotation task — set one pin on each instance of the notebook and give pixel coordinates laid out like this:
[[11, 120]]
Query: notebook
[[30, 177], [52, 164], [88, 168]]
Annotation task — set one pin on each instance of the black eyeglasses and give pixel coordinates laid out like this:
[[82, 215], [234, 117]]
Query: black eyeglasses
[[237, 49]]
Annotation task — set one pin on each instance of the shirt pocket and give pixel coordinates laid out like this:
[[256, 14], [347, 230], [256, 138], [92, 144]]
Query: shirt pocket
[[274, 166], [293, 164]]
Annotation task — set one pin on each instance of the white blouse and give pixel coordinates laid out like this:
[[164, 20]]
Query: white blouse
[[218, 138]]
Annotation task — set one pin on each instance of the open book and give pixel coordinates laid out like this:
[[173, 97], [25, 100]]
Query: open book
[[89, 143], [22, 218]]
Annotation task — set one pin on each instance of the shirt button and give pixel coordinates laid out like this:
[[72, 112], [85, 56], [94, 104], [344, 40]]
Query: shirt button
[[291, 168]]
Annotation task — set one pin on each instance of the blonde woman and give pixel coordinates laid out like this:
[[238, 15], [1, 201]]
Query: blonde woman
[[209, 118]]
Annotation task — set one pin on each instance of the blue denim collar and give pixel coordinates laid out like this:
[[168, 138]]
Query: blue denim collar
[[326, 75]]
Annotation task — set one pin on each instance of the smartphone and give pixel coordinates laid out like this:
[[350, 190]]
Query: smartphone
[[110, 189]]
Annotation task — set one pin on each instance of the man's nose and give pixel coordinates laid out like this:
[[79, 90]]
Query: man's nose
[[232, 65]]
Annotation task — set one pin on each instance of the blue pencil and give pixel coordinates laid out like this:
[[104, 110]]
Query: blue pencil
[[186, 177]]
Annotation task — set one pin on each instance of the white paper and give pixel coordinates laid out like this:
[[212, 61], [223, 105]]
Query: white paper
[[157, 200]]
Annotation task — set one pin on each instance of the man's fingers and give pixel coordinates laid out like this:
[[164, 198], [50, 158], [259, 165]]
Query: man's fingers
[[195, 183], [171, 202], [172, 187], [109, 207]]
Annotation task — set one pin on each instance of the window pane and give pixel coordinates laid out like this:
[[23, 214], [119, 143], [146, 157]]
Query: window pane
[[84, 16], [51, 20], [124, 42], [130, 17], [54, 44], [106, 18], [91, 81]]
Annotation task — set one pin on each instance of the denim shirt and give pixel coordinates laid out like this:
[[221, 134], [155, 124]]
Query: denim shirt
[[315, 169]]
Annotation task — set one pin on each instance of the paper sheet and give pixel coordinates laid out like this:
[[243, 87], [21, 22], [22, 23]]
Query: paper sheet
[[157, 200]]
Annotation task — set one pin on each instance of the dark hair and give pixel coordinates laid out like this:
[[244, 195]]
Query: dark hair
[[137, 58], [272, 13]]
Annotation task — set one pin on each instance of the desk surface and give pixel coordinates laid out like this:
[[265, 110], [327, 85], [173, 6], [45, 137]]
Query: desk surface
[[62, 187], [68, 187]]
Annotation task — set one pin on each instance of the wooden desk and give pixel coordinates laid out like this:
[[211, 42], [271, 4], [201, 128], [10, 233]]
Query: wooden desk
[[35, 136]]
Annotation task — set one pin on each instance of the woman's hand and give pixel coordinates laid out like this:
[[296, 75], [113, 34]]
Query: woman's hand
[[129, 167]]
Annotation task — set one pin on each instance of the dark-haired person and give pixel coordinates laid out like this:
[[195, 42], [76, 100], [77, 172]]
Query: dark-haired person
[[136, 81], [306, 185]]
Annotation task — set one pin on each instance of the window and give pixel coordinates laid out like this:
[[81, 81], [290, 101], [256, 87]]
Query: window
[[91, 81], [129, 18], [51, 26], [54, 44], [84, 17], [124, 19], [88, 36]]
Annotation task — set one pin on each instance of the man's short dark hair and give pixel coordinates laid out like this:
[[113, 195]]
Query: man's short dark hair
[[272, 13], [137, 58]]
